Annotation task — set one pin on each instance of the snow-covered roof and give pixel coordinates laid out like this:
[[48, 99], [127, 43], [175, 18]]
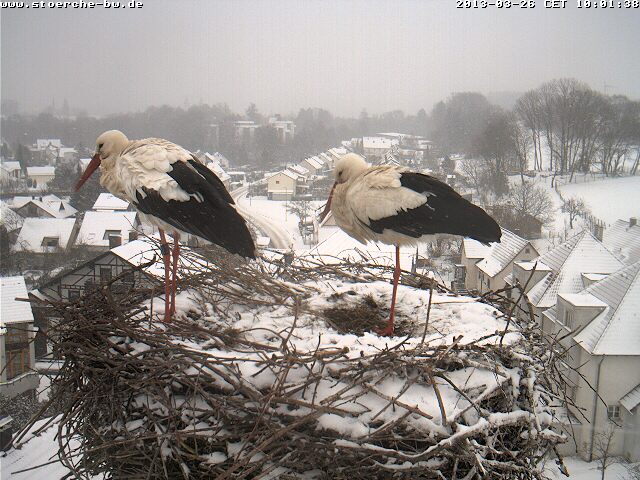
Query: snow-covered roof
[[503, 253], [35, 230], [475, 249], [378, 142], [582, 253], [140, 252], [288, 173], [616, 331], [45, 142], [96, 227], [10, 166], [632, 399], [299, 169], [582, 300], [34, 171], [623, 239], [213, 163], [14, 311], [10, 219], [54, 206], [315, 162], [36, 456], [64, 150], [108, 201]]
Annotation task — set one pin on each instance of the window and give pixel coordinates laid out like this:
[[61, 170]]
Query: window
[[613, 412], [127, 277], [17, 335], [527, 250], [277, 182], [17, 362], [488, 283], [568, 318], [50, 241], [74, 295], [105, 274], [109, 233]]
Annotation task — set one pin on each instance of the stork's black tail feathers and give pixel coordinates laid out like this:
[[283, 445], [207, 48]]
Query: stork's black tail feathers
[[445, 212], [209, 214]]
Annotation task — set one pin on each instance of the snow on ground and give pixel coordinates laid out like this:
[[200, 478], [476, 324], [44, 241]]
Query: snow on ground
[[610, 199], [276, 213], [580, 470]]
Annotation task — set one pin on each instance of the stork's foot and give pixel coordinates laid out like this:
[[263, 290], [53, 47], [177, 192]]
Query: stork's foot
[[387, 331]]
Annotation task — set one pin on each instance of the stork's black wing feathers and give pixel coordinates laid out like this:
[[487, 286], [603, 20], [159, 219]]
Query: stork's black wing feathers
[[214, 218], [445, 212]]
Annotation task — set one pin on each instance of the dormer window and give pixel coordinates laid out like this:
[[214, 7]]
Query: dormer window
[[50, 242], [613, 412]]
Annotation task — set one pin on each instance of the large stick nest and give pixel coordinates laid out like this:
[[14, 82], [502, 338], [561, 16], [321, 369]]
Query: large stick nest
[[198, 398]]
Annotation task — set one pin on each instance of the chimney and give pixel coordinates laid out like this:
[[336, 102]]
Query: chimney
[[133, 235], [633, 221]]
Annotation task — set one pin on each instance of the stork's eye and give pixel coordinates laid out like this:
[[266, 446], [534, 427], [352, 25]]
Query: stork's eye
[[100, 146]]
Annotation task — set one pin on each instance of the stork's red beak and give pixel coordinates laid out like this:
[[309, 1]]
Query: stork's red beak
[[327, 207], [92, 167]]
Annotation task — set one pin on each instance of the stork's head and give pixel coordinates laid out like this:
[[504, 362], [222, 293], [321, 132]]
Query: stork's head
[[347, 168], [109, 145]]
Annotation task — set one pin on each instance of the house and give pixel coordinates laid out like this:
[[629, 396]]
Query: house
[[46, 206], [623, 239], [40, 176], [45, 235], [134, 268], [336, 154], [10, 171], [109, 202], [566, 269], [66, 154], [17, 353], [285, 129], [314, 164], [498, 264], [600, 328], [300, 170], [523, 224], [107, 229], [42, 143], [213, 163], [328, 160], [471, 253], [376, 147], [282, 185], [11, 221], [245, 129]]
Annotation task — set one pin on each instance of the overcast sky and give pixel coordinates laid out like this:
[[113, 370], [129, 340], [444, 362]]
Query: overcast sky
[[340, 55]]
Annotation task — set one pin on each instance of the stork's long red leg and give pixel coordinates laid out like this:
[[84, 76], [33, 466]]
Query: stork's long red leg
[[388, 329], [166, 252], [174, 269]]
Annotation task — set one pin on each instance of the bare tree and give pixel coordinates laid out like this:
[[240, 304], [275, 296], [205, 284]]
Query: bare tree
[[602, 446], [529, 199], [575, 207]]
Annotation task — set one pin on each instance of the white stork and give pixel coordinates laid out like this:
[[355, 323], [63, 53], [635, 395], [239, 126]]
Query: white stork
[[392, 205], [173, 191]]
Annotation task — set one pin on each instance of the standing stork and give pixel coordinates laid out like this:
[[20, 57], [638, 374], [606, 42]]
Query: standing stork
[[173, 191], [397, 207]]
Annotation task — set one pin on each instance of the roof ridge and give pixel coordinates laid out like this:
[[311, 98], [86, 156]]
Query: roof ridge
[[635, 279]]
